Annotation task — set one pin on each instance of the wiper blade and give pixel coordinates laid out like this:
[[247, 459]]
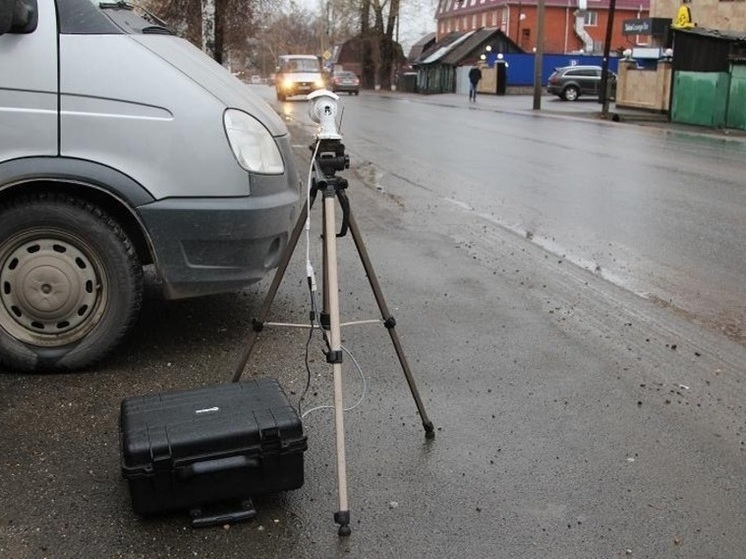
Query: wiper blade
[[157, 25], [115, 6], [156, 30]]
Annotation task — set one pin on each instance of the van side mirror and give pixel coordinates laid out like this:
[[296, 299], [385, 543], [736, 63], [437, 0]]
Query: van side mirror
[[18, 16]]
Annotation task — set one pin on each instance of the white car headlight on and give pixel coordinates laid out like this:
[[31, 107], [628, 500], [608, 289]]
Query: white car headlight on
[[252, 144]]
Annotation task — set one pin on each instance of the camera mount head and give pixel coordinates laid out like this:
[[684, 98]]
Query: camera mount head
[[322, 108]]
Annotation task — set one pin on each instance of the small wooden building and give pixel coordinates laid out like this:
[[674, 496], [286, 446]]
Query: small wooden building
[[437, 66]]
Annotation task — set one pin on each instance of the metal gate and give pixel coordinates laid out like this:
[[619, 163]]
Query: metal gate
[[700, 98], [736, 115]]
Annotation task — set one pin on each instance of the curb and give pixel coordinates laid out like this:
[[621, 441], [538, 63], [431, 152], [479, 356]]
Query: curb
[[624, 116]]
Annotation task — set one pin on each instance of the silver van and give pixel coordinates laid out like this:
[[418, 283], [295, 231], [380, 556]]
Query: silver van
[[122, 145], [298, 74]]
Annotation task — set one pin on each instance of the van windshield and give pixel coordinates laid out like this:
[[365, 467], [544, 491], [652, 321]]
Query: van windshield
[[300, 65]]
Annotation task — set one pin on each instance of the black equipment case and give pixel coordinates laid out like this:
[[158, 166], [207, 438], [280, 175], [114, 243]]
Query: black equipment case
[[226, 443]]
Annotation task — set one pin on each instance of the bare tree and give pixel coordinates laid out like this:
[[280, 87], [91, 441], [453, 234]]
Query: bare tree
[[282, 32], [378, 20], [232, 22], [258, 31]]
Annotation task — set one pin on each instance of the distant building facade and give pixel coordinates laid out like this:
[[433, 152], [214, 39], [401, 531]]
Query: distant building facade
[[570, 26]]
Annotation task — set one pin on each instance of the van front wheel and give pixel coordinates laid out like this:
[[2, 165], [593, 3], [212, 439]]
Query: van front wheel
[[70, 283]]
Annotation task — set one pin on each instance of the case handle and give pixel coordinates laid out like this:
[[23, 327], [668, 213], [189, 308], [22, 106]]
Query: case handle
[[217, 465]]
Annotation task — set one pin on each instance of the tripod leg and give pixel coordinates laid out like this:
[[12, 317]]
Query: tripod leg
[[342, 517], [324, 315], [389, 322], [258, 323]]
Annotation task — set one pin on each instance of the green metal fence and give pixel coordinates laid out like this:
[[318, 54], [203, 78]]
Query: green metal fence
[[700, 98], [736, 114]]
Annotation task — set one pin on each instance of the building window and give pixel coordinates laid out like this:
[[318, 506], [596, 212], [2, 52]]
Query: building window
[[474, 21], [590, 19]]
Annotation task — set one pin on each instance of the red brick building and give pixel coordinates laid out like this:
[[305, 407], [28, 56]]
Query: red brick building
[[568, 27]]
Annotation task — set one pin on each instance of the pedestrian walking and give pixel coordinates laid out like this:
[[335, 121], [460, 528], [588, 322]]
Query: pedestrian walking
[[475, 74]]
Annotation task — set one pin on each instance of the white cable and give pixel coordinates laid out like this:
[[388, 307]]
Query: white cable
[[362, 396], [309, 268]]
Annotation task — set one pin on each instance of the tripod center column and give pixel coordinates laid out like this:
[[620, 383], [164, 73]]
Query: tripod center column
[[332, 292]]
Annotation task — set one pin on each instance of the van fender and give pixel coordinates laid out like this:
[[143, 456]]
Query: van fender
[[70, 170]]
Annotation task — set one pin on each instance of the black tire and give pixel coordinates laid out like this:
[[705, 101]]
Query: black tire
[[70, 284], [571, 93]]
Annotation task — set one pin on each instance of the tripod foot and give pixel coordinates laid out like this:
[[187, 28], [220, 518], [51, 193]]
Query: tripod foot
[[343, 519], [344, 531], [429, 429]]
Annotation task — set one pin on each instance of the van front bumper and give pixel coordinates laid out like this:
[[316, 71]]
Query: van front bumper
[[204, 246], [299, 88]]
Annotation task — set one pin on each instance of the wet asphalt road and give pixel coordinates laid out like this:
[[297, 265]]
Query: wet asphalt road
[[574, 418], [657, 210]]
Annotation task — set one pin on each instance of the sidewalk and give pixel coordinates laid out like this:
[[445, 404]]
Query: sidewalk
[[584, 108]]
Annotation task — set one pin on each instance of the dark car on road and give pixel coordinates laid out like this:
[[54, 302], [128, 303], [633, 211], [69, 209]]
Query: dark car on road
[[346, 81], [571, 82]]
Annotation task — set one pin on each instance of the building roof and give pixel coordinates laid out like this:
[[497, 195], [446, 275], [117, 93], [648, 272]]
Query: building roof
[[446, 44], [736, 36], [419, 47], [456, 54], [454, 47]]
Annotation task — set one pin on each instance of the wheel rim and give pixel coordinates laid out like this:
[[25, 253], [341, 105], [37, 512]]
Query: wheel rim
[[52, 286], [571, 94]]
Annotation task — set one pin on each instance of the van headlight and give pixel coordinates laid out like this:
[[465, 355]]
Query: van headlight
[[252, 144]]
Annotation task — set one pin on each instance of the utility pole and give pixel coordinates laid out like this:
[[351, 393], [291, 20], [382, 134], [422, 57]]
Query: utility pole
[[323, 23], [604, 93], [539, 54]]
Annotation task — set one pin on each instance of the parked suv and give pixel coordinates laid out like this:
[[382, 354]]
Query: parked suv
[[571, 82], [123, 145]]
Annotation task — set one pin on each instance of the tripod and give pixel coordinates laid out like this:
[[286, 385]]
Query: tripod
[[328, 159]]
